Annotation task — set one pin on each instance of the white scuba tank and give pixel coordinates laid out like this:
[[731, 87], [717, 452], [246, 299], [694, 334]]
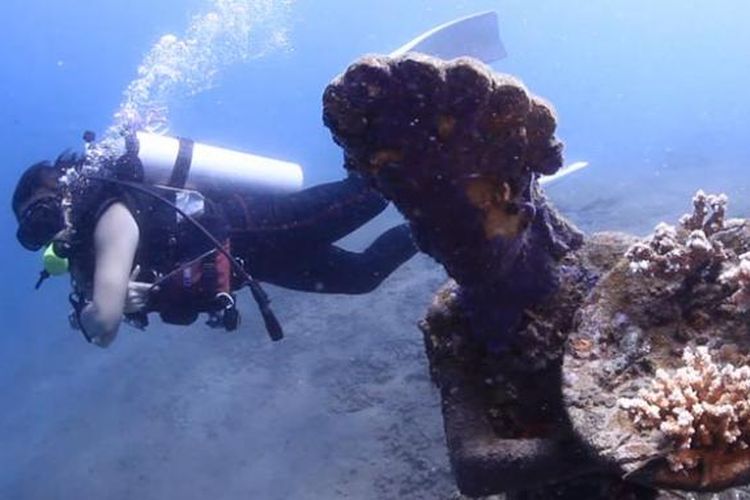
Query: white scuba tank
[[183, 163]]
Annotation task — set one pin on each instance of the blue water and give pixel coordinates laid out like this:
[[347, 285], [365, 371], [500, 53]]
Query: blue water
[[653, 94]]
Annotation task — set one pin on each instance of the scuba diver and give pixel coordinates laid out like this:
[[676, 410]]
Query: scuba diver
[[177, 228], [184, 243]]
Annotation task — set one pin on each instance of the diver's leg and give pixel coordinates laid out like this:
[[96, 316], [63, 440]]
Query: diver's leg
[[317, 215], [330, 269]]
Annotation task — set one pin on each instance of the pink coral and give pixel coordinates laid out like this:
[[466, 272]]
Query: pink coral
[[672, 252], [669, 252], [700, 406], [712, 205], [739, 276]]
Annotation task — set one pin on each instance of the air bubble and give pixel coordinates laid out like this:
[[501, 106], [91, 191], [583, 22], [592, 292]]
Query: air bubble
[[232, 31]]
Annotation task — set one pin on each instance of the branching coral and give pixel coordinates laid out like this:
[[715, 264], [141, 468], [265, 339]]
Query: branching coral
[[672, 252], [676, 253], [700, 406], [738, 276], [713, 206], [668, 253]]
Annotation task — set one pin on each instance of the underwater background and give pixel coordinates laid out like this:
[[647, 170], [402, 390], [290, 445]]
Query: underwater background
[[652, 94]]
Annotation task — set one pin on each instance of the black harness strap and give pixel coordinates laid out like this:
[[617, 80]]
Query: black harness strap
[[264, 303], [182, 164]]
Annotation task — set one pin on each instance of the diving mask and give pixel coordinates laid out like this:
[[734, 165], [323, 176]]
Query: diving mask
[[39, 223]]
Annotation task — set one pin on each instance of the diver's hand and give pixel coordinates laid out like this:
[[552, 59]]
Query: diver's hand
[[138, 293]]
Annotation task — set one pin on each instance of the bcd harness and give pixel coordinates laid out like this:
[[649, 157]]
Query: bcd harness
[[224, 311], [261, 298]]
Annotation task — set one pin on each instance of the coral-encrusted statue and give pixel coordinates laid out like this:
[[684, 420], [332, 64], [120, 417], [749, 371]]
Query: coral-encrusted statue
[[458, 149], [545, 346]]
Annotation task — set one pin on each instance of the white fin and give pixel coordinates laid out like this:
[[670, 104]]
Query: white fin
[[475, 36], [573, 167]]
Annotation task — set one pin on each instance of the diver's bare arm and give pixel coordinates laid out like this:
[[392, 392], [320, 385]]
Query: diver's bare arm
[[115, 241]]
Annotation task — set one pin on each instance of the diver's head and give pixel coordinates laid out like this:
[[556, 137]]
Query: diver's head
[[37, 204]]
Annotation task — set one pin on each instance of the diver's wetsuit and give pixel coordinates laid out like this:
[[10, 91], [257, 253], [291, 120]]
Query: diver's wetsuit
[[287, 240]]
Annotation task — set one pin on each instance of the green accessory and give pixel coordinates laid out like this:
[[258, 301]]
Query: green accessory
[[53, 263]]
